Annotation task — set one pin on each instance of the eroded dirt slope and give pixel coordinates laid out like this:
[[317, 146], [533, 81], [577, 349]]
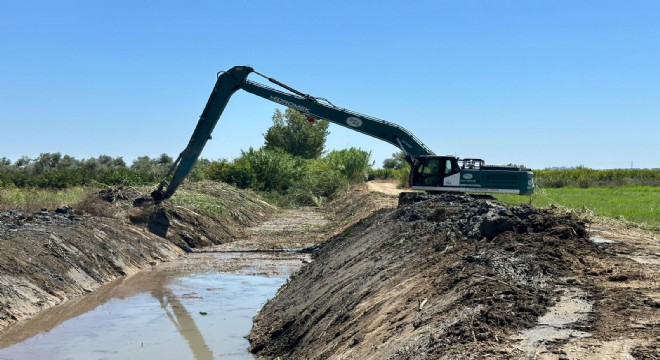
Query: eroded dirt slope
[[52, 256], [458, 277]]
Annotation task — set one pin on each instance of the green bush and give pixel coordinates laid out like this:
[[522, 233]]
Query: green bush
[[216, 169], [352, 163], [318, 181], [402, 175], [54, 171], [121, 176], [381, 174], [292, 180], [261, 170], [199, 171], [238, 173]]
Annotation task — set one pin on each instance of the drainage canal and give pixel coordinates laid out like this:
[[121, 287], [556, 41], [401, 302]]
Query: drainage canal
[[160, 314]]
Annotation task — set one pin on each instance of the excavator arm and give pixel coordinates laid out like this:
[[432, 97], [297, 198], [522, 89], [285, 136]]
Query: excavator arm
[[317, 108], [226, 85], [230, 81]]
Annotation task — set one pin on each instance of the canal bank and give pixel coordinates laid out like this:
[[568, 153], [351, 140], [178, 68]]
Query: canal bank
[[168, 268], [436, 277], [53, 256], [163, 313]]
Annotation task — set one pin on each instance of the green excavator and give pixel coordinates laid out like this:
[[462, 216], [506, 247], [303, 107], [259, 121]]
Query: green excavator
[[429, 172]]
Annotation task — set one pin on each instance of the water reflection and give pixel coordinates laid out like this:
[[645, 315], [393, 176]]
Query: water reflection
[[150, 315], [184, 323]]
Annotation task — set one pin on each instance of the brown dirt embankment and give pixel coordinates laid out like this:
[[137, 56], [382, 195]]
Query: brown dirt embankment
[[452, 276], [51, 256]]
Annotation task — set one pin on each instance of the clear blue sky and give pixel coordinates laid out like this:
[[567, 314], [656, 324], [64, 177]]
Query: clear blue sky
[[540, 82]]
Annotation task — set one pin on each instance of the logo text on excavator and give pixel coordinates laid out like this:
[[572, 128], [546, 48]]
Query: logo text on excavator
[[289, 104]]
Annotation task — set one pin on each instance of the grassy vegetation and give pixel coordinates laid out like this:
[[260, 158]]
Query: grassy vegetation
[[37, 199], [639, 204], [49, 180], [290, 180], [399, 174], [217, 200], [29, 184], [583, 177]]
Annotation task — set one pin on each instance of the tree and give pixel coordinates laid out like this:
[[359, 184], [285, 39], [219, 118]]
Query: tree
[[23, 162], [397, 161], [294, 134], [5, 165], [46, 162], [152, 169]]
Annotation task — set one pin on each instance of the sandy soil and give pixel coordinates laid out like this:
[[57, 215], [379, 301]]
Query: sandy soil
[[384, 187]]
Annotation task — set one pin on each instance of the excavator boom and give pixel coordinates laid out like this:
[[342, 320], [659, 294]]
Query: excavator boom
[[226, 85], [321, 109], [230, 81]]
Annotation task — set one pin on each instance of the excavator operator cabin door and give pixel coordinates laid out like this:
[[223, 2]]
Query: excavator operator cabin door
[[431, 171]]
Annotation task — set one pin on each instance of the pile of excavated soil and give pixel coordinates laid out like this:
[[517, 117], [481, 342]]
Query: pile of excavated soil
[[47, 258], [452, 276], [51, 256], [445, 276]]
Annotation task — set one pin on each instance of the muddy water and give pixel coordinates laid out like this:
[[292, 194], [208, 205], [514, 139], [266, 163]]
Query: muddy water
[[151, 315]]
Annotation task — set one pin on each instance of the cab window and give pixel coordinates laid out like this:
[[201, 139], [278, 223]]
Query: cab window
[[431, 167]]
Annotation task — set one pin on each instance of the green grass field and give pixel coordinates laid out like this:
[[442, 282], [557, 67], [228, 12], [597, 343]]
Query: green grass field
[[638, 204]]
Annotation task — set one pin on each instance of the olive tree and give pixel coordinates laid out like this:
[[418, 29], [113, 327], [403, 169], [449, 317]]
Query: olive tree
[[293, 133]]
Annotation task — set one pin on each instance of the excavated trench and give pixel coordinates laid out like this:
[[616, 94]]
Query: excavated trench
[[198, 305], [158, 314], [446, 276]]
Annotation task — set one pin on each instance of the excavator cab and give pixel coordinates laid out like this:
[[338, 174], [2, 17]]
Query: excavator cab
[[433, 174], [433, 171]]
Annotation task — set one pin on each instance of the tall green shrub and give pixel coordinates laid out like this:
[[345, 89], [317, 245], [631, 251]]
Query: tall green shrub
[[353, 164], [318, 181], [402, 175], [262, 170]]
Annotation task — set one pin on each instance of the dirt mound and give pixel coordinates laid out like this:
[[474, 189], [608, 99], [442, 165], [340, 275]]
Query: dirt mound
[[441, 276], [353, 206], [47, 258], [51, 256]]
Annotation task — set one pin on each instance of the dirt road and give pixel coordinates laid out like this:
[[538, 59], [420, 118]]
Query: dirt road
[[384, 187]]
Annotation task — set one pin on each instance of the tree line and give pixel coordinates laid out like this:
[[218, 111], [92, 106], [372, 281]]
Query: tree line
[[57, 171], [292, 165]]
